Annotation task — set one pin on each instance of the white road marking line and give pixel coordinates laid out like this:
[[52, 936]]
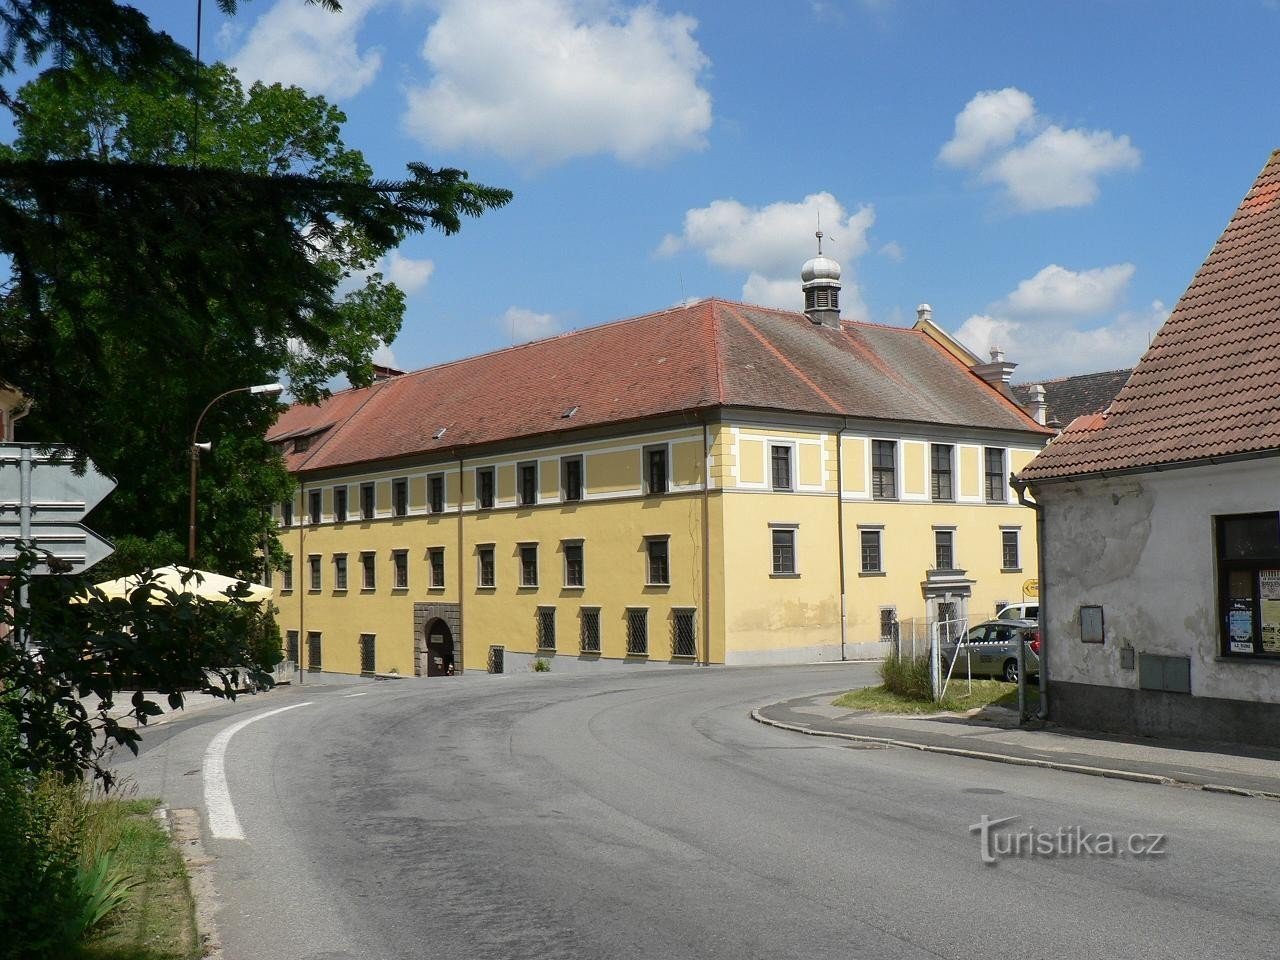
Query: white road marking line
[[223, 822], [365, 694]]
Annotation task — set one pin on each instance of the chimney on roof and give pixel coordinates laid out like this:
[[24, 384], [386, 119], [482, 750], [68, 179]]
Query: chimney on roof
[[381, 373], [924, 312], [820, 280], [998, 372], [1036, 406]]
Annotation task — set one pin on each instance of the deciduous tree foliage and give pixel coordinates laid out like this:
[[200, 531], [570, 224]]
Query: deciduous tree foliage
[[150, 273], [168, 236]]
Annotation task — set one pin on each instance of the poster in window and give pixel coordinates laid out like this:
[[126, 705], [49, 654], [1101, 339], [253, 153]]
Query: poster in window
[[1269, 591], [1240, 626]]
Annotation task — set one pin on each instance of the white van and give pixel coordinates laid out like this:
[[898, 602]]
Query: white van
[[1020, 611]]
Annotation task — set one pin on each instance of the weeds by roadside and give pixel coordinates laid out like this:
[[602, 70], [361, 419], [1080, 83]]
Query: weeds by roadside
[[905, 688], [958, 700], [85, 876]]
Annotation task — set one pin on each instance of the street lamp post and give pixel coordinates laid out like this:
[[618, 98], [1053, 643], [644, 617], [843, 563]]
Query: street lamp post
[[266, 389]]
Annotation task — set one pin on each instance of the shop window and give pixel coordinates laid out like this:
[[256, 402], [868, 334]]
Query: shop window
[[1248, 548]]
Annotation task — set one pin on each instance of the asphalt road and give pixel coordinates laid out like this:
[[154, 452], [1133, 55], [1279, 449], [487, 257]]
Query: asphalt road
[[645, 815]]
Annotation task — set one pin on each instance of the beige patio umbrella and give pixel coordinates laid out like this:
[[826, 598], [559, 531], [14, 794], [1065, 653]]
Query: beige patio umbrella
[[210, 586]]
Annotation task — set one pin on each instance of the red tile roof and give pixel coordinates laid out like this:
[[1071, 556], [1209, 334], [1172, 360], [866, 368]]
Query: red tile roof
[[1207, 386], [708, 354]]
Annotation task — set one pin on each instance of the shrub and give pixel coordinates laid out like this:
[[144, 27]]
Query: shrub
[[39, 857], [541, 665], [907, 676], [56, 879]]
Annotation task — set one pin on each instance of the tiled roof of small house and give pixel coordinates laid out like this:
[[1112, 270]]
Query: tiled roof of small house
[[700, 356], [1069, 397], [1206, 387]]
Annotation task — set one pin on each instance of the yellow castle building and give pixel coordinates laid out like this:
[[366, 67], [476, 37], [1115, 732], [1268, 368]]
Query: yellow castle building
[[716, 483]]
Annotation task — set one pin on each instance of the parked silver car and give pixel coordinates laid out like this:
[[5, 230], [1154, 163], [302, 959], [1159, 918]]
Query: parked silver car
[[990, 649]]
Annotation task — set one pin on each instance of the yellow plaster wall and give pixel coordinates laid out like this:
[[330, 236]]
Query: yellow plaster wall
[[907, 552], [750, 460], [970, 466], [612, 532], [613, 472], [613, 539], [506, 482], [417, 493], [854, 466], [810, 457], [686, 463], [764, 613], [341, 616], [914, 478], [549, 479]]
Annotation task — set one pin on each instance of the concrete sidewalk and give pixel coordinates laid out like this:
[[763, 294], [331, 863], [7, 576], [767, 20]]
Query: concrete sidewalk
[[993, 734]]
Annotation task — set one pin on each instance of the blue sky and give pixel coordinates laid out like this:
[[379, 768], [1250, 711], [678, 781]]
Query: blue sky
[[1048, 175]]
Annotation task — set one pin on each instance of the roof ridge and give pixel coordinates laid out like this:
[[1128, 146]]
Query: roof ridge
[[1073, 376], [1009, 401], [562, 335]]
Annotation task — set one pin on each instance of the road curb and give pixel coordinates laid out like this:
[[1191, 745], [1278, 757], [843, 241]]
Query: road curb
[[1091, 771]]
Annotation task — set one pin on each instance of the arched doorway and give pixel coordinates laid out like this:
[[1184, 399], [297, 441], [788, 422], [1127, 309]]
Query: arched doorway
[[439, 651]]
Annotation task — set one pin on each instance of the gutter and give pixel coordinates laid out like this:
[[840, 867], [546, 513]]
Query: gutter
[[1021, 486], [1163, 467]]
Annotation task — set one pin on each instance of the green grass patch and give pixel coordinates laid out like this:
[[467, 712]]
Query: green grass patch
[[157, 919], [985, 692]]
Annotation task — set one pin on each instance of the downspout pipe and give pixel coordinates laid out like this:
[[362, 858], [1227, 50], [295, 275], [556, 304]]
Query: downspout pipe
[[844, 611], [1021, 486], [458, 665], [299, 574], [706, 543]]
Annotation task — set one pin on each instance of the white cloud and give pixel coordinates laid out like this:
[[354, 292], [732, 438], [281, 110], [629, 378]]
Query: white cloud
[[408, 274], [893, 250], [981, 332], [1041, 166], [988, 122], [1060, 168], [546, 80], [524, 325], [1057, 290], [296, 43], [775, 239], [772, 242], [1054, 348]]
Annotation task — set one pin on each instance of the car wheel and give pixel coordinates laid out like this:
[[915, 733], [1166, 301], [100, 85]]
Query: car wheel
[[1011, 671]]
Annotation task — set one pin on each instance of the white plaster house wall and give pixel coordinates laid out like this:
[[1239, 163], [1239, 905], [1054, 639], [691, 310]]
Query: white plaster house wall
[[1143, 548]]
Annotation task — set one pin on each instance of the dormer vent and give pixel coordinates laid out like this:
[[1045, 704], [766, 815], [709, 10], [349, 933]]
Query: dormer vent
[[569, 413], [439, 434]]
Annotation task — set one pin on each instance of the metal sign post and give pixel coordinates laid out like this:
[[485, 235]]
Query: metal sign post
[[41, 504]]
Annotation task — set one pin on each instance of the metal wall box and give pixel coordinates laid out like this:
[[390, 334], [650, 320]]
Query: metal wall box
[[1169, 674]]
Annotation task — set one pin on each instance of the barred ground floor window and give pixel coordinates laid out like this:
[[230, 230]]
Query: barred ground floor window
[[314, 662], [684, 636], [590, 623], [637, 632]]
